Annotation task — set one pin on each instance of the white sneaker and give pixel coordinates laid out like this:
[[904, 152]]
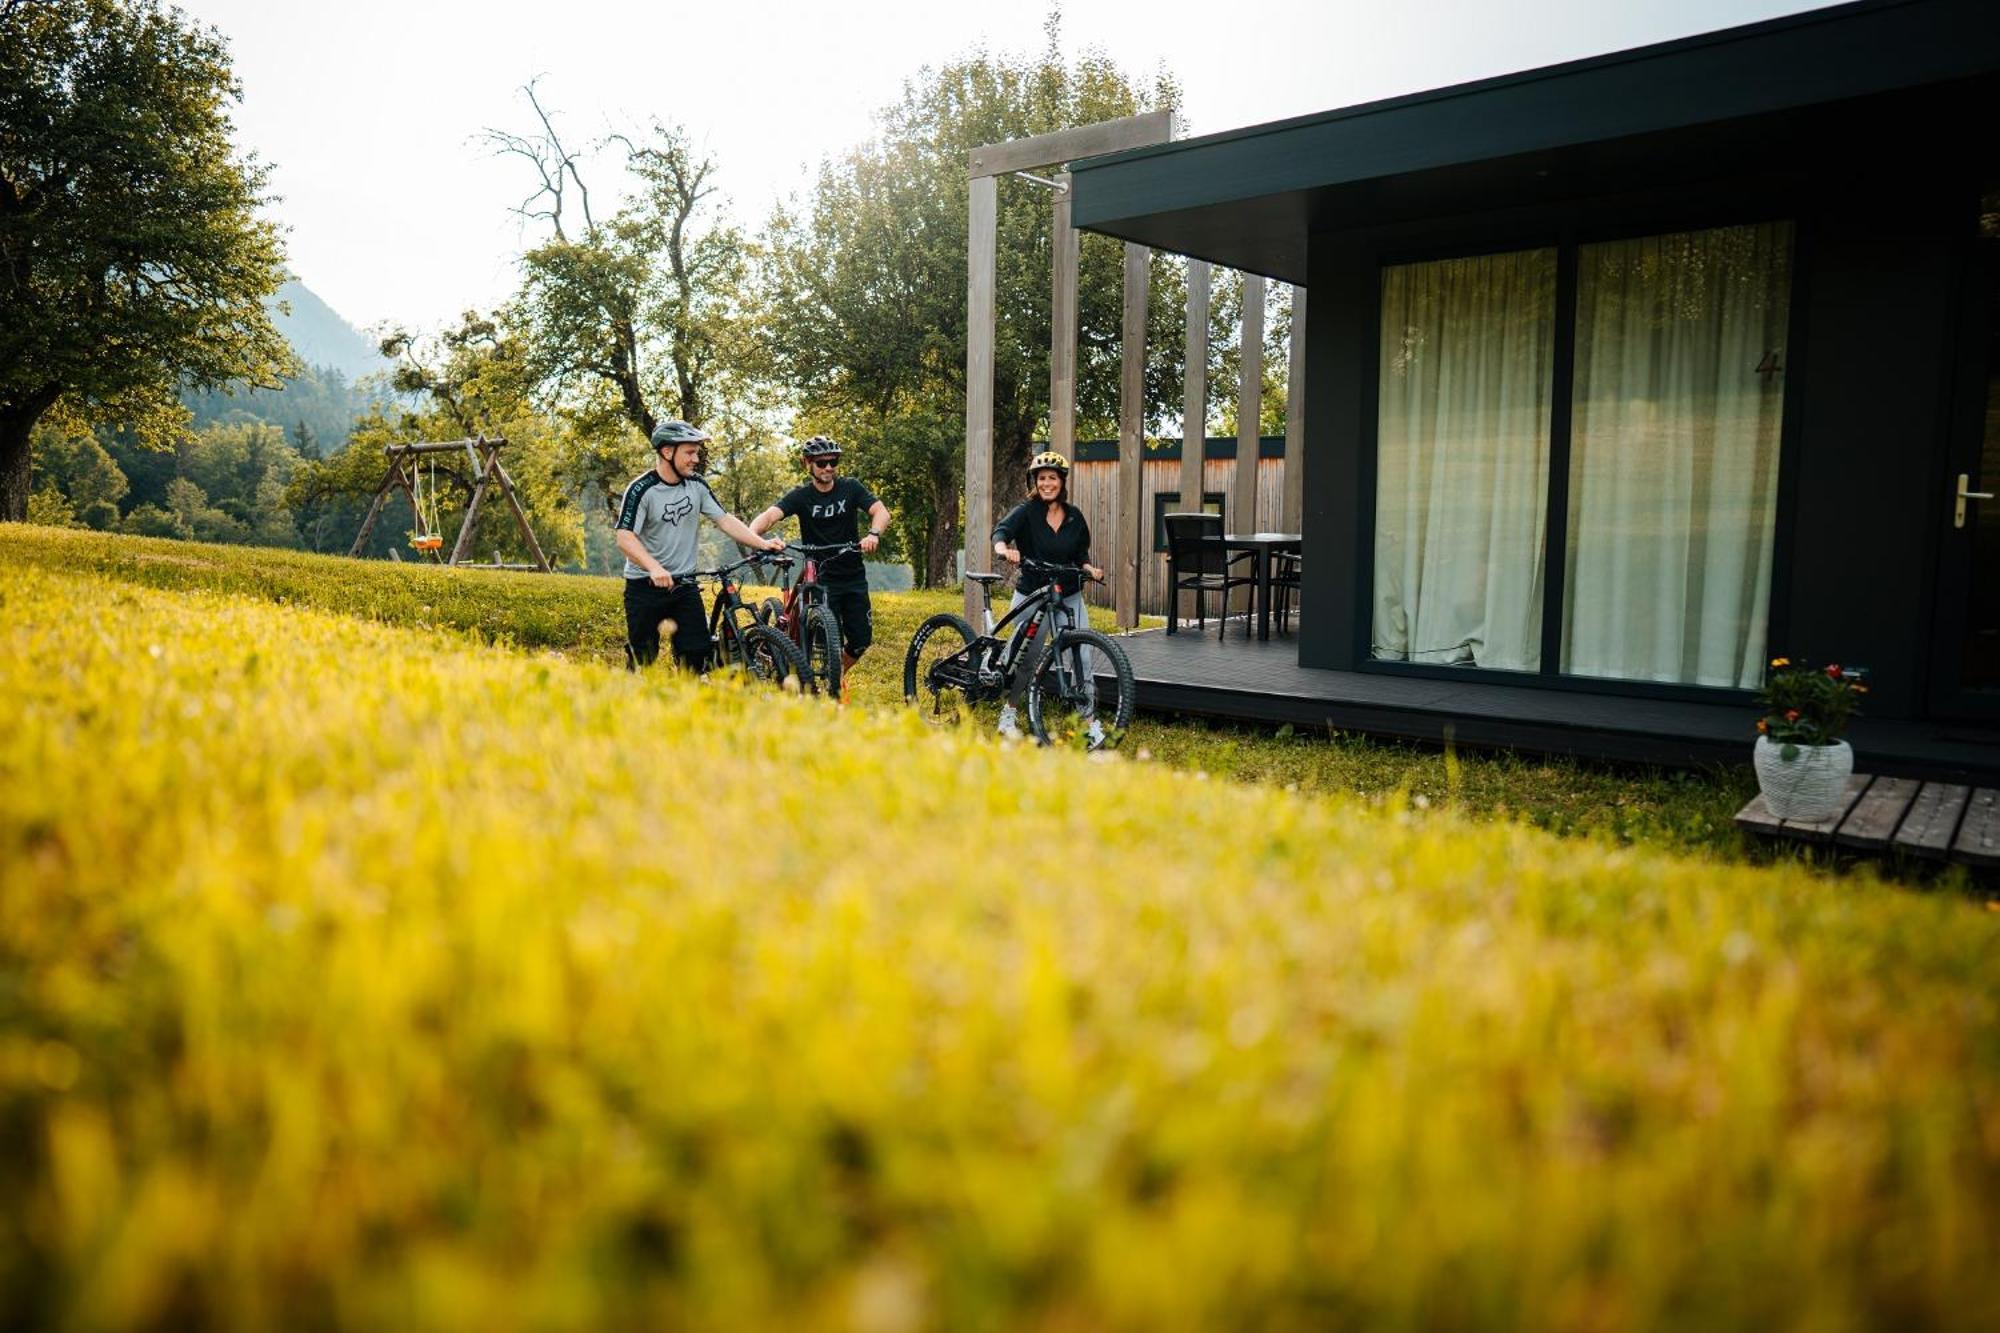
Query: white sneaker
[[1010, 723], [1095, 731]]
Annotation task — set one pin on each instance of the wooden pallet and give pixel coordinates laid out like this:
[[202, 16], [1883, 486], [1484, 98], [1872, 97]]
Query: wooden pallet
[[1941, 821]]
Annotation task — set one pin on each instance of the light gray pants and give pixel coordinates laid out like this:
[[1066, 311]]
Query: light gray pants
[[1079, 617]]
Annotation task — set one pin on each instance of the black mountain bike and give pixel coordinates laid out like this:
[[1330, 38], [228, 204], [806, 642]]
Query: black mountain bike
[[805, 618], [739, 640], [948, 669]]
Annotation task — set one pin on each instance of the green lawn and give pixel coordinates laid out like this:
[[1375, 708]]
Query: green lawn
[[354, 975], [579, 617]]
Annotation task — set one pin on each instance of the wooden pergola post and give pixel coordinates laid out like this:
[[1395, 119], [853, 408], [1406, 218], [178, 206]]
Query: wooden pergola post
[[982, 207], [1132, 546], [1292, 515], [1194, 402], [1249, 408], [982, 218], [1062, 325]]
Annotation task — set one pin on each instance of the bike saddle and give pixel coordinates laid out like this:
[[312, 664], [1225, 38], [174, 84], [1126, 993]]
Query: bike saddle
[[986, 578]]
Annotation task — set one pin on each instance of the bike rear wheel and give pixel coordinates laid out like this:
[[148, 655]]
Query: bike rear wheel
[[1065, 695], [822, 652], [938, 698]]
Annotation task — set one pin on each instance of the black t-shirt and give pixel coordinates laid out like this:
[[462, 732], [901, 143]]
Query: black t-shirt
[[828, 518], [1027, 527]]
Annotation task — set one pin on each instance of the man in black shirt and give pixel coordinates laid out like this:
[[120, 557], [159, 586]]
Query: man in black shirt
[[829, 509]]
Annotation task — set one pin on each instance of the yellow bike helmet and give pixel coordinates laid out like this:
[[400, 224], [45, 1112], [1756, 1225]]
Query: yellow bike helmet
[[1048, 458]]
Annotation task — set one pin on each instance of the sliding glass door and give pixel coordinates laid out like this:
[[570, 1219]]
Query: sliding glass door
[[1462, 460], [1668, 455]]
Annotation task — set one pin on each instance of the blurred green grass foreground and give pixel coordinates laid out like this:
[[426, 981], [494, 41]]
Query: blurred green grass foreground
[[357, 975]]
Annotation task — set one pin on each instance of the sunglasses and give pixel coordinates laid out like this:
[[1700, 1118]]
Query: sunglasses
[[824, 462]]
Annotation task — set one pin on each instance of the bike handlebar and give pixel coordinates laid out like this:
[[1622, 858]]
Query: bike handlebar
[[724, 571], [1045, 567]]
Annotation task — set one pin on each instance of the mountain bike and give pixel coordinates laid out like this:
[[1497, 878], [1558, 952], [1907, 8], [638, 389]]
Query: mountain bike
[[949, 670], [739, 640], [805, 618]]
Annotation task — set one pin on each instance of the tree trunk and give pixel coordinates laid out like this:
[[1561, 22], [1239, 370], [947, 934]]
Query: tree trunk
[[17, 428], [942, 542]]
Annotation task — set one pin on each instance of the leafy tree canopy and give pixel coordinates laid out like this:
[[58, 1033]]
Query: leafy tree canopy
[[866, 283], [133, 256]]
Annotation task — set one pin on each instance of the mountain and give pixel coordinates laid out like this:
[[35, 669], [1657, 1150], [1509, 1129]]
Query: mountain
[[320, 336]]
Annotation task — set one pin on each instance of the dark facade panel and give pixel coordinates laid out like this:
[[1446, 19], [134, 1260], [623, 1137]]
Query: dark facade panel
[[1249, 198]]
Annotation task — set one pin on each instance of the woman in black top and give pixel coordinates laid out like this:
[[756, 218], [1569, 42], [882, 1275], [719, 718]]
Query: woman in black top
[[1048, 528]]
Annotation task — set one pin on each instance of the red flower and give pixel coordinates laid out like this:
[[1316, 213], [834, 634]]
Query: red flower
[[1791, 715], [1763, 724], [1833, 670]]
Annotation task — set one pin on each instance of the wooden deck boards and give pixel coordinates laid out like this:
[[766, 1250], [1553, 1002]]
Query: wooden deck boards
[[1935, 820], [1261, 681]]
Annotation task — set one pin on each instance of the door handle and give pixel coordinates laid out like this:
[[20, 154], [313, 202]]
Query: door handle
[[1958, 506]]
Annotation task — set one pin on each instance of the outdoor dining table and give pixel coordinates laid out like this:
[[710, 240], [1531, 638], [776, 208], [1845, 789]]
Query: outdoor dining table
[[1263, 545]]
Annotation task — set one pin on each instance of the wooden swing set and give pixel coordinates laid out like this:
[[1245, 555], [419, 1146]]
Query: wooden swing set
[[406, 474]]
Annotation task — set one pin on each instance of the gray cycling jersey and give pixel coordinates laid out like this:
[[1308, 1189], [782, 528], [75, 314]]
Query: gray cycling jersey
[[666, 518]]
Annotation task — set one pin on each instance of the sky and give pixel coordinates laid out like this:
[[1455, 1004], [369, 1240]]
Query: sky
[[371, 112]]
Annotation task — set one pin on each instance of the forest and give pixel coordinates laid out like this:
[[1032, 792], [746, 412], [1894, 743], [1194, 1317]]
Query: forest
[[842, 312]]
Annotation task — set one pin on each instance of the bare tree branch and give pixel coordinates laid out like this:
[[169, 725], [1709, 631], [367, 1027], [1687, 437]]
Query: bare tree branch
[[554, 164]]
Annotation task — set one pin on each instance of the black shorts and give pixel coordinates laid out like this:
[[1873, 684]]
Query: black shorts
[[857, 618], [646, 607]]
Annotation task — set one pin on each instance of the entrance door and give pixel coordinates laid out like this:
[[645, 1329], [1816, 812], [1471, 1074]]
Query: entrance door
[[1967, 677]]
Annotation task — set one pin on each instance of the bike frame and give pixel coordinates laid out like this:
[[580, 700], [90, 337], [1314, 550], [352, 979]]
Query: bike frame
[[723, 628], [806, 591], [1002, 655]]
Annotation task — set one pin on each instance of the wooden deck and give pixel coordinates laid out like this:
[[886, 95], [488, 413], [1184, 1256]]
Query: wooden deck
[[1253, 681], [1940, 821]]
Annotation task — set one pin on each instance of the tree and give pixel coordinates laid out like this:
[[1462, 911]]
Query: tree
[[646, 305], [72, 465], [133, 258], [866, 284]]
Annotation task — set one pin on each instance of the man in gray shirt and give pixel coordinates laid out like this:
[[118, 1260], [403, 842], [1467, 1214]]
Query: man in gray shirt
[[659, 529]]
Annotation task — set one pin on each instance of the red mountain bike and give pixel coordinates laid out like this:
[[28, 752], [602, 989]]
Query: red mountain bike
[[805, 618]]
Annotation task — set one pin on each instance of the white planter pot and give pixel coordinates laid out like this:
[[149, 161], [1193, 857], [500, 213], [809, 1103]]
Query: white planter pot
[[1807, 788]]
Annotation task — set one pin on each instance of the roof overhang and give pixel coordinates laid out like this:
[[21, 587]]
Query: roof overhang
[[1717, 103]]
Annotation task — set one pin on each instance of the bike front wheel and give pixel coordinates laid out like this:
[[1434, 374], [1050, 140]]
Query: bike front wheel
[[936, 668], [772, 658], [1069, 702], [822, 652]]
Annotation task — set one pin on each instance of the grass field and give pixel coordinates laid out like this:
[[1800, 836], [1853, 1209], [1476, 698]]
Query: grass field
[[579, 617], [360, 975]]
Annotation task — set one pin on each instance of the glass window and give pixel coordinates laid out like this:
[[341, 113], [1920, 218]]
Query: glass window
[[1462, 459], [1673, 477]]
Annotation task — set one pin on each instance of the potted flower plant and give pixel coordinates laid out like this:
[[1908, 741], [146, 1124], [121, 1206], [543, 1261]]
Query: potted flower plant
[[1802, 763]]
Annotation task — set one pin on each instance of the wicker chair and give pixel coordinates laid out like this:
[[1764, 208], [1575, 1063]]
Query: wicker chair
[[1285, 567], [1198, 563]]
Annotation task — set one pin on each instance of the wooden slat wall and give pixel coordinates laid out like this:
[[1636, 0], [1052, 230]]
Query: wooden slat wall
[[1091, 487]]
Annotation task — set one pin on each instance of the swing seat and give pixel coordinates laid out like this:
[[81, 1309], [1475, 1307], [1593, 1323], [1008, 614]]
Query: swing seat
[[427, 543]]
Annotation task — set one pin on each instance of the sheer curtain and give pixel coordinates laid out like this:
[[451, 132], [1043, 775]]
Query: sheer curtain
[[1462, 459], [1680, 359]]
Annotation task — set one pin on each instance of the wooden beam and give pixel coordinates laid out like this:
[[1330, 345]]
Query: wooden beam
[[1249, 409], [1041, 150], [444, 447], [1130, 523], [520, 516], [1062, 328], [1194, 400], [1292, 517], [982, 216]]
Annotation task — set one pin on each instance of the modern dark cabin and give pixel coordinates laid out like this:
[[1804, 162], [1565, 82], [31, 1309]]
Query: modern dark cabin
[[1622, 377]]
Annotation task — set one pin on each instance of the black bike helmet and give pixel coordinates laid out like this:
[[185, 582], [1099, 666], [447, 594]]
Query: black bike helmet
[[819, 446], [677, 432]]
